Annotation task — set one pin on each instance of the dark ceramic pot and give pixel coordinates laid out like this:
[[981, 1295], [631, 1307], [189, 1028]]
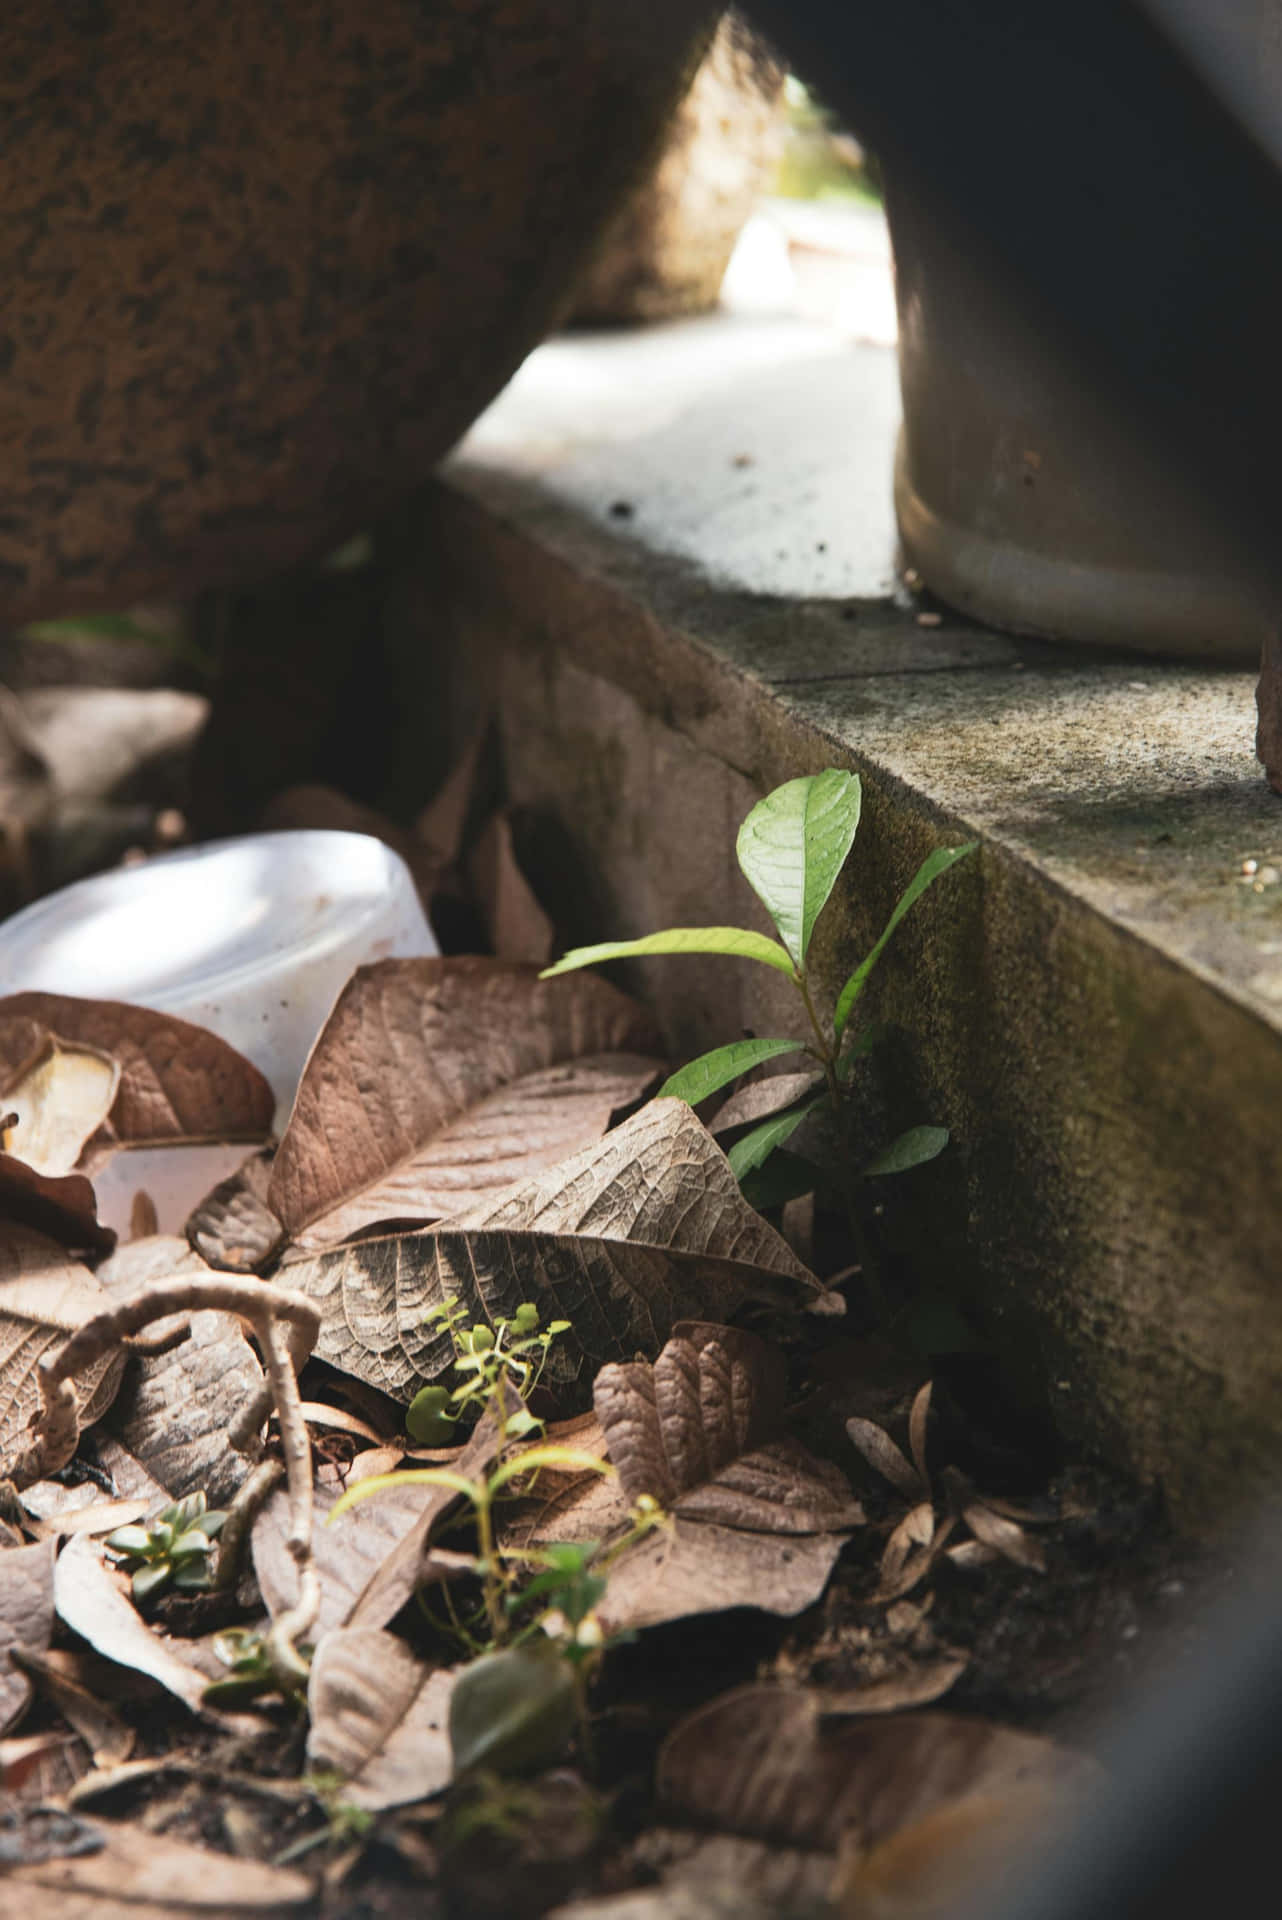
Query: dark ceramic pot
[[1023, 500], [262, 261]]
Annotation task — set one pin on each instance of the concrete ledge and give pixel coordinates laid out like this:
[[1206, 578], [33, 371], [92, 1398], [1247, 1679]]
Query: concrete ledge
[[1093, 1006]]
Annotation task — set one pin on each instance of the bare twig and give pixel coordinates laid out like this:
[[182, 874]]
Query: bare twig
[[240, 1518], [286, 1325]]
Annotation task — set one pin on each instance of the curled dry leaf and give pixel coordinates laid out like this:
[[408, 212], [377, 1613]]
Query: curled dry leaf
[[880, 1451], [761, 1761], [133, 1874], [44, 1296], [916, 1686], [756, 1519], [761, 1098], [59, 1676], [347, 1554], [233, 1228], [400, 1574], [57, 1104], [173, 1409], [436, 1084], [65, 1207], [622, 1240], [379, 1719], [177, 1081], [26, 1620]]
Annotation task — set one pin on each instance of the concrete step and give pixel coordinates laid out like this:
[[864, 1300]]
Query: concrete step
[[666, 559]]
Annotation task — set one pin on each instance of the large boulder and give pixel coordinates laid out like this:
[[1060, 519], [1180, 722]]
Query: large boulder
[[262, 261]]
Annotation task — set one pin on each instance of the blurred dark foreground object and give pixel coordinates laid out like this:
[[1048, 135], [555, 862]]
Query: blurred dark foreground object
[[667, 248], [261, 265], [1112, 168]]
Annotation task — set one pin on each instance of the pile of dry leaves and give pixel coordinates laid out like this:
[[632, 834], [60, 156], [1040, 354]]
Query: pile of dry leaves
[[218, 1696]]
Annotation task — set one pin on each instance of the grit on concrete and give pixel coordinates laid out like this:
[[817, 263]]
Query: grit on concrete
[[667, 560]]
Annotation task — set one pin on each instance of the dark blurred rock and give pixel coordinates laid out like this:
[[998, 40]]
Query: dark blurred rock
[[261, 265]]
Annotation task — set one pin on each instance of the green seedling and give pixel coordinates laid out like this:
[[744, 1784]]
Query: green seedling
[[174, 1549], [791, 847], [251, 1670], [508, 1357]]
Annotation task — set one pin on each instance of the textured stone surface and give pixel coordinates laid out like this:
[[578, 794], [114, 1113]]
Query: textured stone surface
[[667, 249], [1093, 1005], [261, 264]]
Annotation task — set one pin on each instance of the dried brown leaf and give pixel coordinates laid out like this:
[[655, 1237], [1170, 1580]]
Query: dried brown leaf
[[519, 929], [177, 1081], [880, 1451], [173, 1409], [917, 1422], [136, 1873], [1004, 1536], [757, 1521], [90, 1598], [109, 1740], [761, 1761], [762, 1098], [64, 1208], [23, 1761], [233, 1229], [26, 1620], [80, 1513], [916, 1529], [59, 1103], [442, 825], [918, 1684], [436, 1084], [347, 1554], [44, 1296], [379, 1719], [400, 1574], [622, 1240]]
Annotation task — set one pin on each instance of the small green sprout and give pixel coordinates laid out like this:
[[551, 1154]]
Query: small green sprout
[[174, 1549], [510, 1354]]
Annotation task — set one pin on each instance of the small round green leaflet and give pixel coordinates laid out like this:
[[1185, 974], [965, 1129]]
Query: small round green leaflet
[[793, 845], [739, 943]]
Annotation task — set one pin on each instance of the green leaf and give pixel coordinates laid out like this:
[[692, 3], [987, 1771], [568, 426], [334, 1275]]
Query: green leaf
[[785, 1176], [859, 1045], [415, 1477], [935, 864], [512, 1711], [756, 1147], [911, 1149], [571, 1458], [718, 1068], [793, 845], [128, 1540], [149, 1580], [738, 942], [520, 1423]]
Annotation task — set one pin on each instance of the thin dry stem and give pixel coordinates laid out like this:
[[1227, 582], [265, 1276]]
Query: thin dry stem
[[241, 1515], [286, 1325]]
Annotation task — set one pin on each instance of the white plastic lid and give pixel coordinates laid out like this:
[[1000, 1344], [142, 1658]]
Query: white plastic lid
[[253, 938]]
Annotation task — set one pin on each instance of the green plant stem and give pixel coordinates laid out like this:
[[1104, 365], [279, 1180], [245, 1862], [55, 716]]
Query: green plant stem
[[869, 1267]]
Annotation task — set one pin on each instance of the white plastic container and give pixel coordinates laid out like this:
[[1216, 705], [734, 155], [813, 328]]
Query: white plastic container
[[253, 938]]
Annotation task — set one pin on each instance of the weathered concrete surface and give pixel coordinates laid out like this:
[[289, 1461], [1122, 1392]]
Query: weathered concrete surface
[[1093, 1005]]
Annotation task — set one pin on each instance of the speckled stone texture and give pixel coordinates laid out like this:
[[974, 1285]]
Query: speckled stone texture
[[261, 261]]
